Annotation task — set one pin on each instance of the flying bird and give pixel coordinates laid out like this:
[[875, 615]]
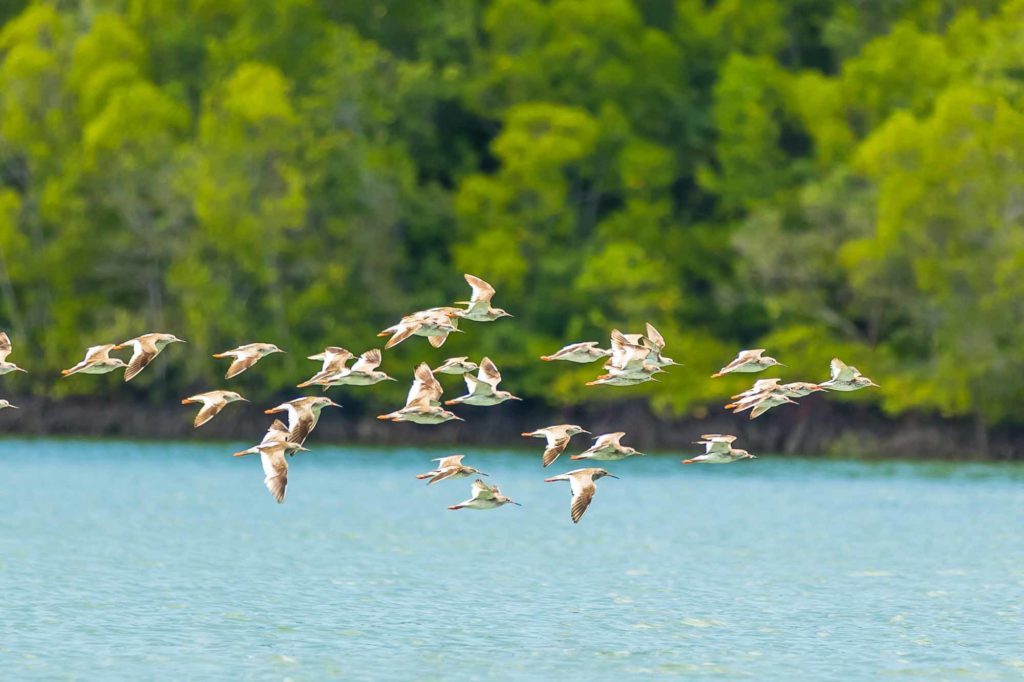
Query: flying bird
[[144, 349], [479, 305], [718, 450], [213, 402], [275, 466], [484, 497], [458, 366], [246, 356], [581, 353], [558, 438], [435, 324], [97, 361], [607, 448], [748, 361], [303, 414], [335, 359], [449, 468], [582, 487], [482, 389], [363, 373], [5, 350], [846, 378]]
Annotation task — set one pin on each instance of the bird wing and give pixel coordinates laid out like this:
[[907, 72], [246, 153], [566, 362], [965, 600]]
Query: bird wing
[[713, 446], [449, 461], [482, 491], [425, 386], [607, 439], [299, 425], [98, 353], [404, 330], [5, 346], [335, 359], [277, 431], [625, 354], [840, 370], [140, 358], [275, 468], [209, 410], [489, 374], [556, 446], [583, 489], [243, 361], [655, 337], [368, 361], [482, 291]]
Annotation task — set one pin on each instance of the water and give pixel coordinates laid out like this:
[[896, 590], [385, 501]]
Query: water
[[171, 561]]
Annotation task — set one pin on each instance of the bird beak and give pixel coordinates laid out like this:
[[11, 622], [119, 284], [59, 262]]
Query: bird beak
[[458, 418], [611, 475], [392, 379], [874, 384], [515, 503], [245, 400], [586, 432], [333, 404]]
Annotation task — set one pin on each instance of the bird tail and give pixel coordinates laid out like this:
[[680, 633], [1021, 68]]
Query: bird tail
[[546, 358], [455, 506], [188, 401], [689, 461]]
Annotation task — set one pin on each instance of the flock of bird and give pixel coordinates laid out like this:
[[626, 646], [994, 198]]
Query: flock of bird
[[631, 359]]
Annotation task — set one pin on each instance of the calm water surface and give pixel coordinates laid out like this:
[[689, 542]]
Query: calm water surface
[[171, 561]]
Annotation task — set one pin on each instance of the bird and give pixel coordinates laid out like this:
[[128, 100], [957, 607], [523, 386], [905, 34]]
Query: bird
[[421, 411], [582, 487], [482, 389], [425, 386], [145, 348], [558, 438], [582, 353], [246, 356], [363, 373], [628, 357], [275, 466], [450, 467], [618, 380], [759, 386], [655, 343], [435, 324], [759, 403], [748, 361], [5, 350], [335, 359], [718, 450], [799, 389], [303, 414], [213, 402], [97, 361], [457, 366], [4, 404], [607, 448], [484, 497], [846, 378], [478, 307]]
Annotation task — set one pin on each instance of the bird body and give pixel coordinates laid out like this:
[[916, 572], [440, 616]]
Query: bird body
[[484, 497], [845, 378], [435, 324], [421, 412], [558, 438], [144, 349], [479, 305], [607, 448], [97, 361], [362, 373], [303, 414], [457, 366], [482, 389], [450, 467], [582, 353], [246, 356], [275, 465], [213, 402], [718, 450], [582, 488], [335, 360], [748, 361]]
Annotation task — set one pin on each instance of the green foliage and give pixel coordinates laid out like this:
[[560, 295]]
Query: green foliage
[[817, 177]]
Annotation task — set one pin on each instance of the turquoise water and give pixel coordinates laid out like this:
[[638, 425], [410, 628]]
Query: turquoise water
[[171, 561]]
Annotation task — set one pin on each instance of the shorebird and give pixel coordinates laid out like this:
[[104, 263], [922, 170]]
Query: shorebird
[[607, 448], [303, 414], [144, 349], [275, 466], [585, 352], [450, 467], [424, 387], [798, 389], [582, 487], [421, 412], [846, 378], [628, 357], [4, 404], [213, 402], [718, 450], [246, 356], [97, 361], [362, 373], [655, 343], [479, 304], [484, 497], [458, 366], [335, 360], [5, 350], [558, 438], [435, 324], [759, 403], [482, 389], [760, 386], [617, 380], [748, 361]]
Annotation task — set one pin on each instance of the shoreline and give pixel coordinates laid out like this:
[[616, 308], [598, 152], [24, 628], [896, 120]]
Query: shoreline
[[814, 428]]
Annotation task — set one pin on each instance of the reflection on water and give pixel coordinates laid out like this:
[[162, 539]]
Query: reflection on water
[[129, 561]]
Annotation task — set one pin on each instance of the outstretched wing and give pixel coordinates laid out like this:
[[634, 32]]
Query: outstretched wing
[[482, 491], [608, 439], [449, 461], [275, 468], [489, 374], [556, 446], [140, 359], [368, 361], [425, 387], [655, 337], [5, 346], [209, 410], [482, 291], [242, 362], [840, 371], [97, 353], [583, 490]]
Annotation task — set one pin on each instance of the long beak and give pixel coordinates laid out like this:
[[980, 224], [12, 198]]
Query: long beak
[[244, 400], [334, 404], [458, 418], [586, 432], [874, 384], [482, 473], [612, 476], [515, 503]]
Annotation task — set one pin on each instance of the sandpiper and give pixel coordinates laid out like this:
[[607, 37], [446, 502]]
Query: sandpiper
[[458, 366], [718, 450], [4, 404], [97, 361], [760, 386], [362, 373], [655, 344], [450, 467], [246, 356], [484, 497], [335, 359], [584, 352], [607, 448], [5, 350], [627, 356], [434, 324], [213, 402], [798, 389], [616, 380], [582, 487], [303, 414], [425, 387], [759, 403], [275, 466], [421, 412], [483, 388], [479, 304], [748, 361], [558, 438], [145, 348], [846, 378]]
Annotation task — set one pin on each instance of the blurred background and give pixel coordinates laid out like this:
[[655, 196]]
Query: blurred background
[[816, 177]]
